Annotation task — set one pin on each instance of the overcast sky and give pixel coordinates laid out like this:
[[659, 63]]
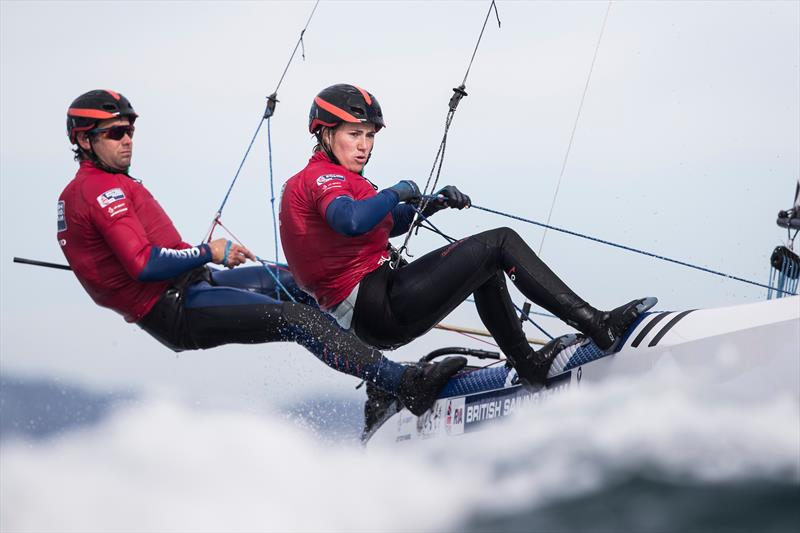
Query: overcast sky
[[687, 146]]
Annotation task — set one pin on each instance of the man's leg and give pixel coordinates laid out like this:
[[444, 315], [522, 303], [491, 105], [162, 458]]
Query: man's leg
[[224, 315], [259, 279]]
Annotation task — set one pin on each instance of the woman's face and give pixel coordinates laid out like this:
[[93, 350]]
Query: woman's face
[[352, 143]]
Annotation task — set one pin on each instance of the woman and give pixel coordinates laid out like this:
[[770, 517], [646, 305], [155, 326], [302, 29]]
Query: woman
[[335, 229]]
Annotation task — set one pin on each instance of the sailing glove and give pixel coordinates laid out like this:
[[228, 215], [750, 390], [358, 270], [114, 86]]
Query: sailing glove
[[449, 196], [407, 191]]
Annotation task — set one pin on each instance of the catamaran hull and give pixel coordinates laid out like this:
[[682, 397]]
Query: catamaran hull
[[753, 348]]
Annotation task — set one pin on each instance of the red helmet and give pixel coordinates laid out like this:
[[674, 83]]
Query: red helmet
[[90, 108], [344, 103]]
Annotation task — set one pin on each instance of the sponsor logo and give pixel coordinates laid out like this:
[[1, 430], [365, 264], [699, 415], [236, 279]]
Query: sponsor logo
[[454, 417], [63, 242], [451, 247], [327, 178], [430, 423], [493, 405], [181, 254], [110, 196], [512, 273], [115, 210], [62, 217]]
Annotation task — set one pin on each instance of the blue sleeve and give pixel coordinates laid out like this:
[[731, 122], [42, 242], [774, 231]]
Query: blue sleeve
[[168, 263], [403, 215], [356, 217]]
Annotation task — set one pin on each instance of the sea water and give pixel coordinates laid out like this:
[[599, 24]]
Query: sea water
[[626, 455]]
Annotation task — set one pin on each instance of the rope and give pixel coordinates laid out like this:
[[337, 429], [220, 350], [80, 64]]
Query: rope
[[575, 125], [265, 263], [235, 177], [299, 43], [272, 100], [272, 199], [475, 51], [622, 246], [268, 112], [458, 93]]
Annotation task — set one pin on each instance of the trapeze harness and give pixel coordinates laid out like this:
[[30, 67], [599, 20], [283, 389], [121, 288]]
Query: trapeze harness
[[129, 257]]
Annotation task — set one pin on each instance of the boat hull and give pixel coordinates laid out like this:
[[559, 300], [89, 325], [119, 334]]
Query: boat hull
[[753, 349]]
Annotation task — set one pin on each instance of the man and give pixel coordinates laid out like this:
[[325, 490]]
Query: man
[[129, 257]]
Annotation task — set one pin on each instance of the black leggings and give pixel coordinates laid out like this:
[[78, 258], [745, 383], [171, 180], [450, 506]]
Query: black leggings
[[395, 306], [205, 309]]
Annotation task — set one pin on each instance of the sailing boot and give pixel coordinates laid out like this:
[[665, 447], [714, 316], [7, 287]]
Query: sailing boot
[[380, 405], [532, 368], [421, 383], [605, 328]]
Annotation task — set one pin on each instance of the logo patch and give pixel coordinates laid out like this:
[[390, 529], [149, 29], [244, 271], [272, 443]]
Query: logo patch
[[328, 177], [110, 196], [62, 217], [115, 210]]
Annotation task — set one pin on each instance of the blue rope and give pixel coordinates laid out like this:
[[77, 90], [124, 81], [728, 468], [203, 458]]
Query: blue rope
[[236, 176], [628, 248], [278, 283]]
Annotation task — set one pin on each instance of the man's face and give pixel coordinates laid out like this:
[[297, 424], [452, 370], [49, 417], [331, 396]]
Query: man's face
[[114, 154]]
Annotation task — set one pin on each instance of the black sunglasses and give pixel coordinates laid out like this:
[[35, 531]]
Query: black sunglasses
[[115, 133]]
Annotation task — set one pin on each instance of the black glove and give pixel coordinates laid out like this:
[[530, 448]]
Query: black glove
[[407, 191], [449, 196]]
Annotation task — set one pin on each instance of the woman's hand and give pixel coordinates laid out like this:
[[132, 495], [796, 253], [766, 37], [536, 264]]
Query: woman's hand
[[449, 196], [453, 198], [229, 254], [407, 191]]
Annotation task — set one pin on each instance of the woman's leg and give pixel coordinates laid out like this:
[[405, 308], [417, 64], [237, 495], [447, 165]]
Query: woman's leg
[[422, 293]]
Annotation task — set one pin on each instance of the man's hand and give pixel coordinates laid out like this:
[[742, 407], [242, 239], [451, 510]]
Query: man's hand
[[407, 191], [229, 254]]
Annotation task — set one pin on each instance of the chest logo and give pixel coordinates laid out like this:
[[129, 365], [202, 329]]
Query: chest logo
[[110, 196], [322, 180], [62, 216]]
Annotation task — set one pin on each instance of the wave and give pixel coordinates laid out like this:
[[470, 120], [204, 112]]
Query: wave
[[641, 454]]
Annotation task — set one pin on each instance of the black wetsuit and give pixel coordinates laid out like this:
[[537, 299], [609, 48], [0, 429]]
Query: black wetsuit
[[395, 306], [205, 308]]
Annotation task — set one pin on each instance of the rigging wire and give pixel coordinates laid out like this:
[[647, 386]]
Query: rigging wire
[[269, 111], [623, 247], [458, 93], [575, 125]]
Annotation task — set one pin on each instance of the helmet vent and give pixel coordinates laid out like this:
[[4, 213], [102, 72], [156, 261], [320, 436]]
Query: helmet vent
[[109, 107], [357, 110]]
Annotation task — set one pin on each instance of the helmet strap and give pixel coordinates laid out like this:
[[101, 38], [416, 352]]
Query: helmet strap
[[325, 146]]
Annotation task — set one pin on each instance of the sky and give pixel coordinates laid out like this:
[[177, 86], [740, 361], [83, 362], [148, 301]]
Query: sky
[[688, 144]]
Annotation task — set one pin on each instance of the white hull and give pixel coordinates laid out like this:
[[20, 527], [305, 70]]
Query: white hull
[[753, 349]]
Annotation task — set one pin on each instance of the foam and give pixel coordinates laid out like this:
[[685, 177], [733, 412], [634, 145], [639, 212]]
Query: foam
[[163, 466]]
